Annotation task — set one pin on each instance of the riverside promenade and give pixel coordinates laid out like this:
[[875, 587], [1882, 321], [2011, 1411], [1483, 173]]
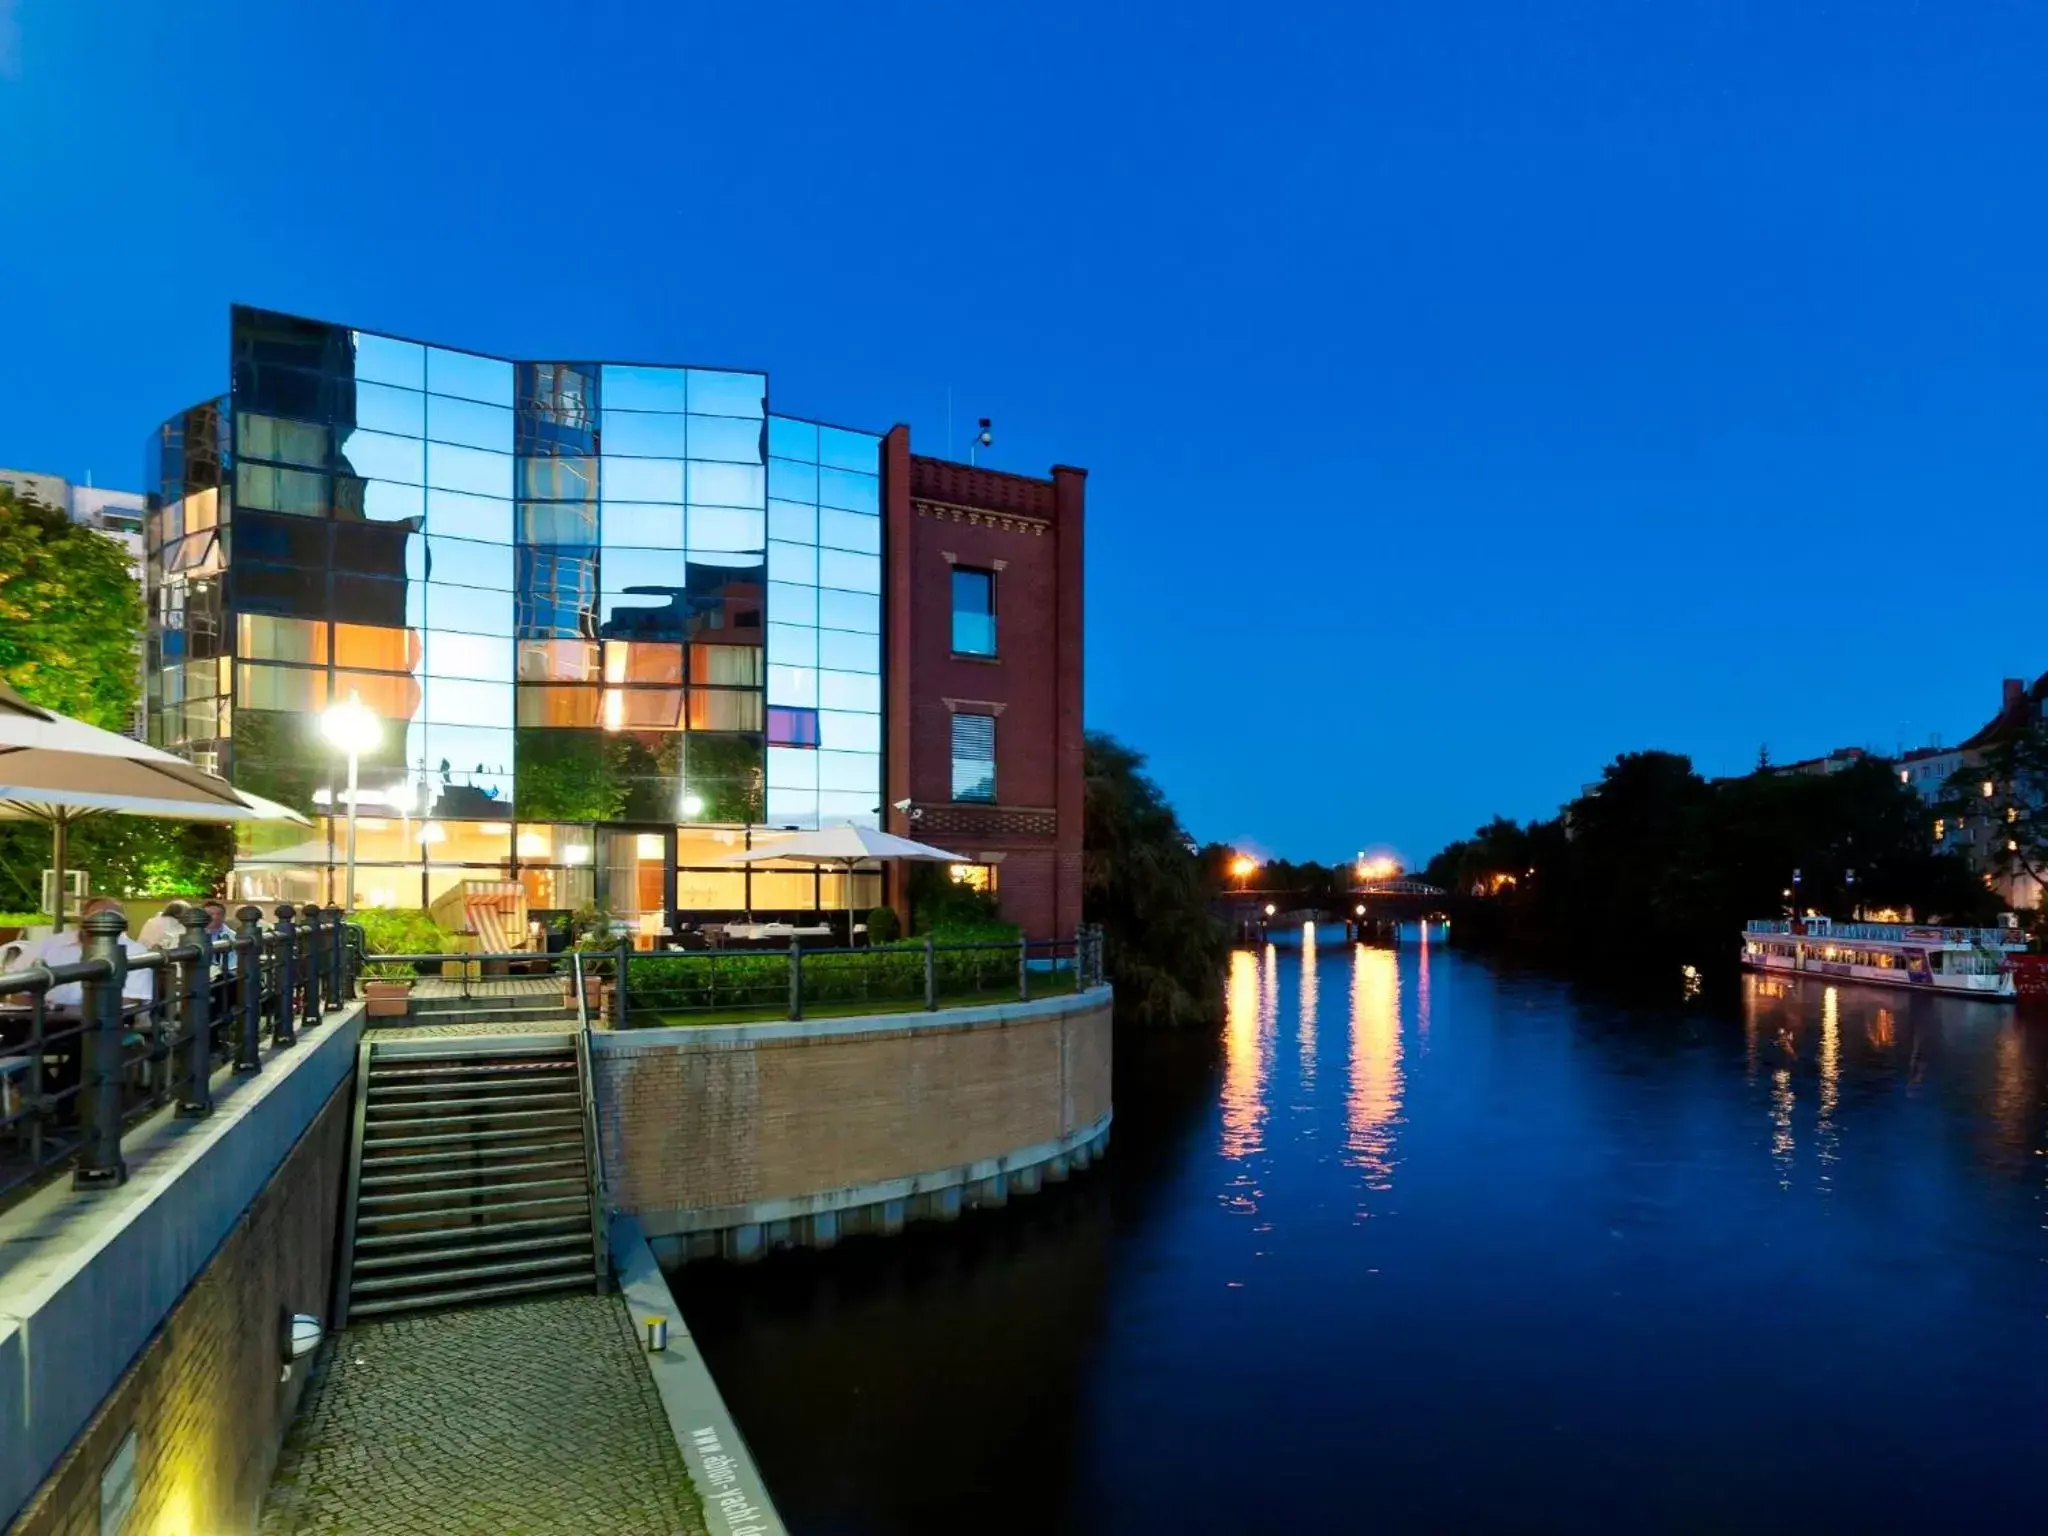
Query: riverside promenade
[[531, 1417]]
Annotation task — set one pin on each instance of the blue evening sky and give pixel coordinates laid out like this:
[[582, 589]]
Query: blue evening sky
[[1470, 392]]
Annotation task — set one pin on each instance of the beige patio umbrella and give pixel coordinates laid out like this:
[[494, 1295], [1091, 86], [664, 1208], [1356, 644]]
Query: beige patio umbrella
[[58, 770], [844, 847]]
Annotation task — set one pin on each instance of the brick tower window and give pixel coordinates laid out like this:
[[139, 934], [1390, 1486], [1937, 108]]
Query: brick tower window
[[974, 757]]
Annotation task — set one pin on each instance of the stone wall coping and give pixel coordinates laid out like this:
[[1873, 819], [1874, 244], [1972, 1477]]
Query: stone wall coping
[[87, 1276], [800, 1031], [735, 1499]]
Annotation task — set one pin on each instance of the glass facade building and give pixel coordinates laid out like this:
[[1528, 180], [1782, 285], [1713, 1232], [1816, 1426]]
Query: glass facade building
[[619, 621]]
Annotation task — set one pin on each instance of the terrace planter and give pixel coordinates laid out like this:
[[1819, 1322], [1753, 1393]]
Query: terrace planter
[[388, 999]]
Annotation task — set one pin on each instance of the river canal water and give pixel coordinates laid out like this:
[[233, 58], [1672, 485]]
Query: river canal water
[[1423, 1245]]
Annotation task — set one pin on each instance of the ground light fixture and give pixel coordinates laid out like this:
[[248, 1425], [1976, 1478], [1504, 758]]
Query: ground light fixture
[[1271, 909], [352, 728], [302, 1335]]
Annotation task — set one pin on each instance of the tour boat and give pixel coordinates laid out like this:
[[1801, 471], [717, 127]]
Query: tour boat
[[1974, 961]]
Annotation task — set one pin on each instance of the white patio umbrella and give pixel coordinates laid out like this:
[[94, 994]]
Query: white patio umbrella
[[844, 847], [59, 770]]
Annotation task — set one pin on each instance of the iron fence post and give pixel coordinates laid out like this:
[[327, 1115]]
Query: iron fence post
[[314, 961], [619, 986], [195, 1095], [931, 977], [335, 995], [99, 1158], [249, 988], [1023, 970], [796, 978], [284, 1024]]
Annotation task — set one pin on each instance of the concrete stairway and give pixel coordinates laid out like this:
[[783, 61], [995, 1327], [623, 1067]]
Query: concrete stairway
[[471, 1174]]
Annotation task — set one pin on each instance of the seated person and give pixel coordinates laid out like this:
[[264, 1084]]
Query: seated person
[[67, 948]]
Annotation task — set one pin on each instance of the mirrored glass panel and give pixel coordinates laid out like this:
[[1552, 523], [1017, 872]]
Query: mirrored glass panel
[[726, 529], [849, 572], [631, 387], [855, 493], [850, 610], [483, 379], [481, 658], [792, 768], [656, 525], [642, 479], [467, 423], [726, 485], [790, 439], [792, 645], [849, 691], [389, 361], [839, 448], [380, 501], [849, 530], [841, 731], [385, 408], [793, 562], [790, 481], [794, 686], [728, 394], [465, 563], [453, 468], [725, 438], [381, 456], [644, 434], [794, 522], [460, 515]]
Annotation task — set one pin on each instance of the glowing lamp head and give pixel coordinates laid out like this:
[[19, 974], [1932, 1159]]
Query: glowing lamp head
[[351, 725], [1271, 909], [1242, 866], [693, 805]]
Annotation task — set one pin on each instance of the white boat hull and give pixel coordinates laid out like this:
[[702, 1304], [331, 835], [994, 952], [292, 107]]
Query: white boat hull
[[1990, 987]]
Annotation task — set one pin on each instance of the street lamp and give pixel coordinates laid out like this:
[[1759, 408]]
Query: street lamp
[[1242, 867], [352, 727]]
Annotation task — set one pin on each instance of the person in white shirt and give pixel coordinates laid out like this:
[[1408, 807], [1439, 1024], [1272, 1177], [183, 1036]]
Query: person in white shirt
[[167, 929], [68, 948]]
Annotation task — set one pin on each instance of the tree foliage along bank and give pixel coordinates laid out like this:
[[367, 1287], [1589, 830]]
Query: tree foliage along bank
[[1144, 883], [1657, 865], [70, 633]]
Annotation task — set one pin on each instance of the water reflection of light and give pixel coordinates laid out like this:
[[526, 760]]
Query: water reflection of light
[[1244, 1064], [1422, 996], [1781, 1124], [1308, 1005], [1882, 1030], [1826, 1136], [1372, 1107]]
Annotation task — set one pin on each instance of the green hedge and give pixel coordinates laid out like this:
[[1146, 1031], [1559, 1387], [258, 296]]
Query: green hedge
[[721, 980]]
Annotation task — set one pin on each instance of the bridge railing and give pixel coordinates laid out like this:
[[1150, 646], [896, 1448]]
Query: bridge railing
[[90, 1047]]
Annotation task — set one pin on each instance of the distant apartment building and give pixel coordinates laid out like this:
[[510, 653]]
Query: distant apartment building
[[117, 514]]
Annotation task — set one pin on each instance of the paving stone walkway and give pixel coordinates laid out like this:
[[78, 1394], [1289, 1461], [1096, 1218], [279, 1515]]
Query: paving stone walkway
[[526, 1419]]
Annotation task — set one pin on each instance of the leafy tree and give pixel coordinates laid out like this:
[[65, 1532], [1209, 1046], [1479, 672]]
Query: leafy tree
[[1147, 888], [70, 615], [70, 628]]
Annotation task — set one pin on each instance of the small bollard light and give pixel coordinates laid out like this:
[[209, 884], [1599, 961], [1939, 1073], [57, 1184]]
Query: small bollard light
[[302, 1335], [657, 1334]]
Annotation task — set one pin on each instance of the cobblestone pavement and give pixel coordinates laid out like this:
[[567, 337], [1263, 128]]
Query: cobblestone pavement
[[525, 1419]]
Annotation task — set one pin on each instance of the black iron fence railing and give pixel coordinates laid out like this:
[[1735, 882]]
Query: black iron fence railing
[[634, 989], [89, 1047]]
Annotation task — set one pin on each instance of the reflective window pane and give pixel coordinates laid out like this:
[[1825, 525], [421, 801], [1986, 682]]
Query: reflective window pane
[[859, 808], [469, 609], [301, 492], [462, 516], [452, 468], [381, 456], [793, 605], [790, 481], [260, 637], [644, 434], [840, 731], [725, 665], [376, 647], [565, 522], [726, 529], [728, 394], [381, 501], [642, 479], [726, 438], [792, 768], [850, 690], [840, 449], [793, 562], [484, 658], [650, 570], [792, 645], [629, 387], [796, 687], [796, 521], [552, 706], [562, 661], [974, 757], [849, 572], [848, 770], [792, 807], [389, 361], [468, 423], [793, 439], [726, 485], [284, 442], [850, 610], [657, 525], [849, 530], [382, 408], [559, 477], [465, 563], [484, 379], [456, 702], [855, 493]]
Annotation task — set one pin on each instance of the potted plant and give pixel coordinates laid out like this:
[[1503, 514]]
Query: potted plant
[[387, 984]]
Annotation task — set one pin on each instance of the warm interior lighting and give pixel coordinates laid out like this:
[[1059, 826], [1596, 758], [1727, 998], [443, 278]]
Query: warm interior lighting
[[493, 828], [576, 853], [533, 845], [649, 845], [433, 832], [1990, 789]]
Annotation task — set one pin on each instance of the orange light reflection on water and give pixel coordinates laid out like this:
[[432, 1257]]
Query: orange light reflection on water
[[1244, 1057], [1309, 990], [1372, 1107]]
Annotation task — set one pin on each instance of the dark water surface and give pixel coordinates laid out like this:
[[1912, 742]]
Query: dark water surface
[[1422, 1246]]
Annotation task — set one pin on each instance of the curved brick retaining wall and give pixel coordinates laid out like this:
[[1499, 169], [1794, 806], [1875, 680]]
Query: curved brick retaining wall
[[731, 1140]]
